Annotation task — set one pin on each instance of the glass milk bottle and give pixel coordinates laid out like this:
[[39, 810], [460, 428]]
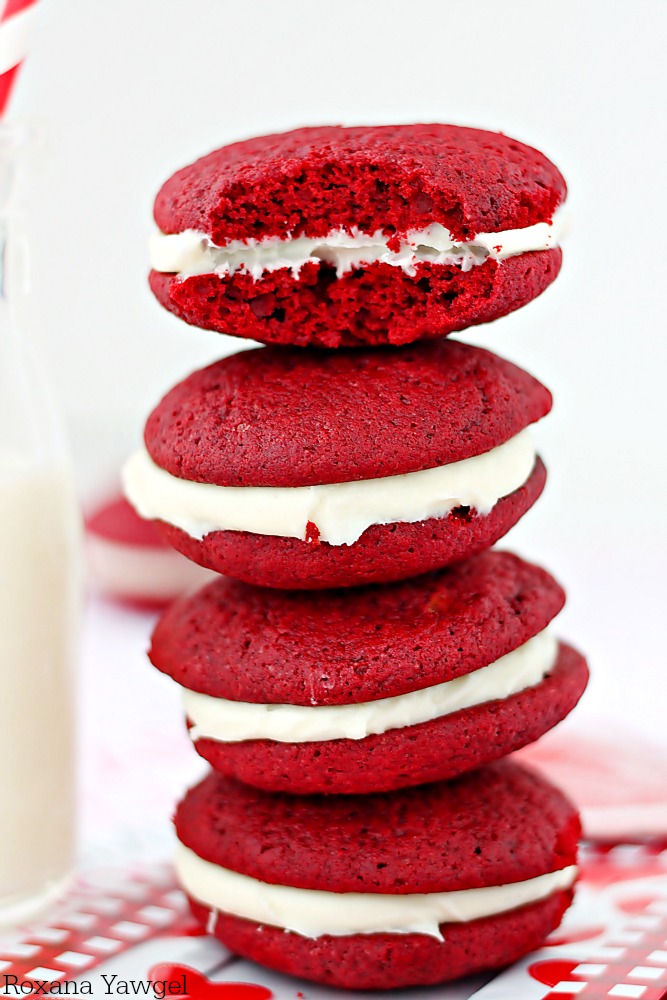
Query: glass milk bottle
[[39, 598]]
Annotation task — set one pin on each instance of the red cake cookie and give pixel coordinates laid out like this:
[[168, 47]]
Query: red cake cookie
[[128, 560], [336, 236], [292, 469], [372, 689], [396, 890]]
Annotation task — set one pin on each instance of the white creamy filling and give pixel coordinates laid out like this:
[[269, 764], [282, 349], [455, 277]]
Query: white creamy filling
[[191, 252], [315, 912], [233, 721], [341, 511]]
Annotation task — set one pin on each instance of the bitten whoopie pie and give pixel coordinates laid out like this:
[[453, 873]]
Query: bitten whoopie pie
[[310, 469], [375, 688], [336, 236], [402, 889]]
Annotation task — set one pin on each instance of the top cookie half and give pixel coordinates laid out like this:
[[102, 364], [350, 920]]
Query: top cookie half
[[338, 236]]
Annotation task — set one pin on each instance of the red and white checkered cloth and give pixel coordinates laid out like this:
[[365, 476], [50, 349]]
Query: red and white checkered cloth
[[134, 924]]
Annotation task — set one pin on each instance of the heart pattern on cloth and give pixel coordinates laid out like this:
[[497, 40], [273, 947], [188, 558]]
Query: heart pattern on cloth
[[198, 987]]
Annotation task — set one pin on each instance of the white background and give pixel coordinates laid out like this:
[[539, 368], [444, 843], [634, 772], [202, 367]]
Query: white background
[[131, 90]]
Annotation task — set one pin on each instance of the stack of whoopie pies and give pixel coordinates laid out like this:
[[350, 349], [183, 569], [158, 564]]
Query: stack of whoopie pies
[[366, 660]]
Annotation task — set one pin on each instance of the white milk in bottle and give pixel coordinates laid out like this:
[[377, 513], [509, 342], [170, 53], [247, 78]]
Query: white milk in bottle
[[39, 597]]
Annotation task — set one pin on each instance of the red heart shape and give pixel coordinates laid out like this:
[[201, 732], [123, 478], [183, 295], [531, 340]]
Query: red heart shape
[[198, 987], [552, 973]]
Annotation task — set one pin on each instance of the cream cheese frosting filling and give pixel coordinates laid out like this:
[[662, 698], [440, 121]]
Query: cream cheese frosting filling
[[233, 721], [191, 252], [340, 511], [315, 912]]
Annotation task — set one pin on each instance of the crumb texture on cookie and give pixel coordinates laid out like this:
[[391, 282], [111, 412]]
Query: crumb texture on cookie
[[393, 178], [261, 201]]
